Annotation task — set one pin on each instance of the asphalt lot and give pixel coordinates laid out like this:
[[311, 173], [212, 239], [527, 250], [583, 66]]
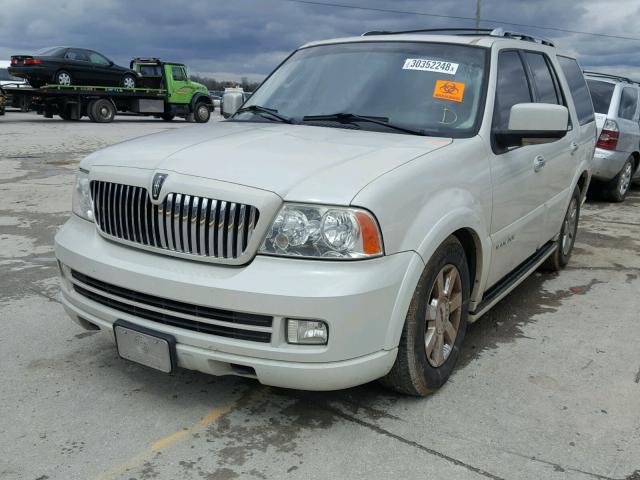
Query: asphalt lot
[[548, 387]]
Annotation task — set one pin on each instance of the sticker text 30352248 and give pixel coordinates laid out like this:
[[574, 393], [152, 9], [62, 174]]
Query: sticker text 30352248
[[427, 65]]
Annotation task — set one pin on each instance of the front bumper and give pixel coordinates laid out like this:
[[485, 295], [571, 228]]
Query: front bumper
[[363, 303], [608, 163]]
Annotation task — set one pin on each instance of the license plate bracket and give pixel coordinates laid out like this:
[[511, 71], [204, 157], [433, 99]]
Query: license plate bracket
[[144, 346]]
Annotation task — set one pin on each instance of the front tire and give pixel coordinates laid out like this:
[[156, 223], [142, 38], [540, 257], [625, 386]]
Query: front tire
[[201, 113], [63, 78], [167, 117], [564, 245], [617, 189], [435, 324]]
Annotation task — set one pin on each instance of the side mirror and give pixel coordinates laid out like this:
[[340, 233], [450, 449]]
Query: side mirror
[[534, 123]]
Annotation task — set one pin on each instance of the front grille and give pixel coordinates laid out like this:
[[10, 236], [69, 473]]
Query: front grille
[[181, 223], [168, 311]]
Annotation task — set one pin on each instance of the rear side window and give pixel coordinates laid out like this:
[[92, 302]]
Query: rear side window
[[543, 79], [628, 103], [601, 93], [512, 88], [579, 89]]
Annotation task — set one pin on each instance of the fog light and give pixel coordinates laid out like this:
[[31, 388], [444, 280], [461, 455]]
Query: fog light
[[307, 332]]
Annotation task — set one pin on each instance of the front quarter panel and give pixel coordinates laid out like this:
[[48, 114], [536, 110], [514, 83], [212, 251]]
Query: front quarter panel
[[421, 203]]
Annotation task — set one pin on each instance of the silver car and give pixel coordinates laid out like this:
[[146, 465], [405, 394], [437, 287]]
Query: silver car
[[617, 155]]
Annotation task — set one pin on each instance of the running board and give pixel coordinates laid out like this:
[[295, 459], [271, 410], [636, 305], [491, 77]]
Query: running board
[[512, 280]]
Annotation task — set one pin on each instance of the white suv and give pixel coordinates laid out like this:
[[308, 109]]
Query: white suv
[[374, 196]]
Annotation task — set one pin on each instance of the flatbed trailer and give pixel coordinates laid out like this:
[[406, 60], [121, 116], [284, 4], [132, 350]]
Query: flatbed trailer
[[181, 98]]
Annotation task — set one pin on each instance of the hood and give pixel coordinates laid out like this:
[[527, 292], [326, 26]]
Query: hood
[[297, 162]]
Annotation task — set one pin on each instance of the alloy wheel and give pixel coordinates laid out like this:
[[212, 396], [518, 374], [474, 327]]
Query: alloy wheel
[[64, 78], [625, 179], [444, 311], [128, 82]]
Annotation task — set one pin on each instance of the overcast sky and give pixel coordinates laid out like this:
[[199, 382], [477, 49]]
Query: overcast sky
[[229, 39]]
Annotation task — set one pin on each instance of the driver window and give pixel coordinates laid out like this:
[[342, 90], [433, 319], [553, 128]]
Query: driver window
[[512, 88], [178, 74]]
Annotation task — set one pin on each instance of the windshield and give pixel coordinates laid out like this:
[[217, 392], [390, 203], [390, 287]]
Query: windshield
[[50, 51], [428, 87], [601, 93]]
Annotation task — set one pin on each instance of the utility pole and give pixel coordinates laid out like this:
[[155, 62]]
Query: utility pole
[[478, 14]]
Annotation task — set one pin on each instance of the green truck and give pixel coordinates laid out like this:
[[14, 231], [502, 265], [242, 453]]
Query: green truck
[[163, 90]]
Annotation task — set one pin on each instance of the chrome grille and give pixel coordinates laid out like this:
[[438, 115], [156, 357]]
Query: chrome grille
[[182, 223]]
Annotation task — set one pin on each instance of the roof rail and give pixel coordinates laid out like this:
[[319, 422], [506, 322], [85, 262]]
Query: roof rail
[[608, 75], [495, 32]]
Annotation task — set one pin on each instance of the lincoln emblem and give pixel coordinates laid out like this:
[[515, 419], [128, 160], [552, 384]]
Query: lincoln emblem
[[158, 180]]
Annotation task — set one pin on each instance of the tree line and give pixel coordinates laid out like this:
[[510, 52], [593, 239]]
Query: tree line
[[213, 84]]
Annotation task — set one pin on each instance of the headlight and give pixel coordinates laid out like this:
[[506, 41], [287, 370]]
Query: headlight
[[82, 204], [323, 232]]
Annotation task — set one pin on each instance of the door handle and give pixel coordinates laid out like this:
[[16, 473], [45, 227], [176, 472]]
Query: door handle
[[538, 163], [573, 148]]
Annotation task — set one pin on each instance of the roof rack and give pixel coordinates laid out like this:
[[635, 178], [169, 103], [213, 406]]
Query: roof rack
[[608, 75], [495, 32]]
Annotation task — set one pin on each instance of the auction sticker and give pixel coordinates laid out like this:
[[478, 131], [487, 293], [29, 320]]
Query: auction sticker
[[448, 90], [426, 65]]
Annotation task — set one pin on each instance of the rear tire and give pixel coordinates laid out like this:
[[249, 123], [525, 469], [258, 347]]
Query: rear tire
[[564, 245], [435, 324], [129, 81], [63, 78], [103, 111], [167, 117], [616, 190], [201, 113]]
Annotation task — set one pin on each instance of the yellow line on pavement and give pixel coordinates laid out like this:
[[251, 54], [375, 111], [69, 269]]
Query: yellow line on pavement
[[171, 439], [165, 442]]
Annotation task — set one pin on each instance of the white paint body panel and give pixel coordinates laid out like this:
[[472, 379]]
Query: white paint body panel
[[420, 189]]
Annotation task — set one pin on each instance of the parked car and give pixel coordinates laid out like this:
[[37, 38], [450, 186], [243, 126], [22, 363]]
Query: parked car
[[70, 66], [326, 236], [617, 154]]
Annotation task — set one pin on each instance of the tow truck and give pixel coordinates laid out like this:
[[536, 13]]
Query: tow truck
[[164, 91]]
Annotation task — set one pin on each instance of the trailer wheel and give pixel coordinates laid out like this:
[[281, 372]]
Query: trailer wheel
[[90, 110], [102, 111], [201, 113]]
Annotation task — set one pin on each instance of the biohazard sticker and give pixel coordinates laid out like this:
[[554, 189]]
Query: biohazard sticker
[[448, 90], [427, 65]]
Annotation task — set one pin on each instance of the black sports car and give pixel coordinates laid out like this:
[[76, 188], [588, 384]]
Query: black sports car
[[70, 66]]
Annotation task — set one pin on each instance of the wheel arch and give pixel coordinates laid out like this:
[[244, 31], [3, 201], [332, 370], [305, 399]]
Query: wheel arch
[[636, 161], [200, 97], [462, 225], [61, 69], [583, 183]]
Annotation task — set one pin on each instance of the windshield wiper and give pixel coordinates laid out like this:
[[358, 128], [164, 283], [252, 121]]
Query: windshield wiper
[[260, 110], [352, 117]]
